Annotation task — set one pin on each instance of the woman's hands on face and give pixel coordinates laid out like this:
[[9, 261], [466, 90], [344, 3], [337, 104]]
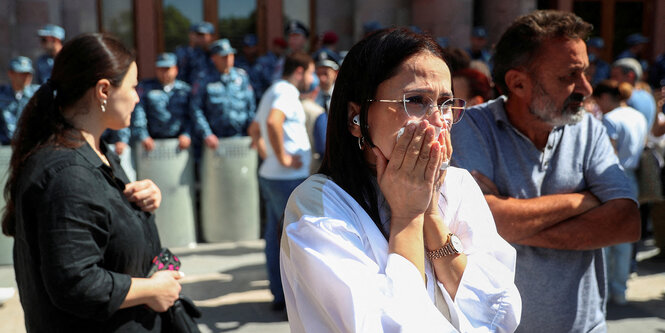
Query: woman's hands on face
[[408, 179], [145, 194], [446, 153]]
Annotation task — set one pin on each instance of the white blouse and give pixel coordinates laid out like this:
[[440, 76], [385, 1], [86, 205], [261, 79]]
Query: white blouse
[[339, 277]]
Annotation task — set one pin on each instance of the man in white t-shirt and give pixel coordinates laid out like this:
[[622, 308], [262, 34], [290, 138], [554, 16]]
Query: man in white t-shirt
[[281, 136]]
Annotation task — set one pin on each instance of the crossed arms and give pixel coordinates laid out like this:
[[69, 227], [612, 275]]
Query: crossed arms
[[569, 221]]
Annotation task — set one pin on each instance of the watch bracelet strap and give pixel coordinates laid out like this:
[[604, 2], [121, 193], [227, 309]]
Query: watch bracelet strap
[[445, 250]]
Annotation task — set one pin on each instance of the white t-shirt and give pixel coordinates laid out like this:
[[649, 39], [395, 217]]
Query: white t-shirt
[[285, 97]]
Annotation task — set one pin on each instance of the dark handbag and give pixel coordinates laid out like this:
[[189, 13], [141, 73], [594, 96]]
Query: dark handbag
[[179, 318]]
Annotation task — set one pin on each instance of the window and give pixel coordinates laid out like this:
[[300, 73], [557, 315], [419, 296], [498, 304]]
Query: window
[[117, 18], [297, 10], [236, 19], [178, 15]]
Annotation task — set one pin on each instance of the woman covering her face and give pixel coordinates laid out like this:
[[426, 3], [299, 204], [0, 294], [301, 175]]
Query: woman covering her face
[[84, 236], [386, 237]]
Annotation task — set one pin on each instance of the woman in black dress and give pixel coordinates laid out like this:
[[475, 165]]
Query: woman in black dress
[[84, 236]]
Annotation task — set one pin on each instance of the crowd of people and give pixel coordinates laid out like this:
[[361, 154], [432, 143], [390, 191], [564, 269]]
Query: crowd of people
[[371, 222]]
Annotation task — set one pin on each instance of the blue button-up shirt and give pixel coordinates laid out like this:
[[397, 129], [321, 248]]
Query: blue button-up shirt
[[577, 157], [44, 68], [11, 106], [163, 112], [225, 106]]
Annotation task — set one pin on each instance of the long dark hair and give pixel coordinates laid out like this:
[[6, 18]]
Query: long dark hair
[[370, 62], [81, 63]]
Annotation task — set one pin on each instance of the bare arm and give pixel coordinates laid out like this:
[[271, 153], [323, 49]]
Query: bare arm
[[570, 221], [276, 136], [517, 219], [158, 292], [254, 131], [616, 221]]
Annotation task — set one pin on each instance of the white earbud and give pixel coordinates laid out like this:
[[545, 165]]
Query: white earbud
[[356, 120]]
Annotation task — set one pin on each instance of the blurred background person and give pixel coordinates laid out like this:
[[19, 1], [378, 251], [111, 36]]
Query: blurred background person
[[51, 37], [478, 49], [193, 59], [327, 67], [636, 44], [15, 96], [598, 69], [472, 86], [164, 109], [281, 129], [225, 105], [627, 129], [628, 70], [313, 111], [259, 71], [296, 40]]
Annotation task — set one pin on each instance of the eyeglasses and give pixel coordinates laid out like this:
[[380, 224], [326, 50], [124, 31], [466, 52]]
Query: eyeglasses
[[418, 106]]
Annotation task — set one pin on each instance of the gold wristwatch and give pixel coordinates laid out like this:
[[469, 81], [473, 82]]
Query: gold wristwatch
[[452, 246]]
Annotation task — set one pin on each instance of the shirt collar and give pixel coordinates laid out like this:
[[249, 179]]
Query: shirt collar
[[90, 155]]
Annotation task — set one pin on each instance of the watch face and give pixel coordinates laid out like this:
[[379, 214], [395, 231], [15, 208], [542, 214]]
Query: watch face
[[457, 243]]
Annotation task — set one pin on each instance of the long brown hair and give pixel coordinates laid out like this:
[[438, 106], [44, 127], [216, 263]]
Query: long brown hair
[[81, 63]]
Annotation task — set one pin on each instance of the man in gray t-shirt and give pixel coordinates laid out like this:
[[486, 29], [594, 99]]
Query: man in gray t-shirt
[[549, 173]]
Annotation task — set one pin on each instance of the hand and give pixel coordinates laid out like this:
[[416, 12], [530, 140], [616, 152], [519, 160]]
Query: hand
[[145, 194], [184, 141], [148, 144], [486, 185], [120, 147], [407, 180], [291, 161], [165, 290], [211, 141], [446, 152]]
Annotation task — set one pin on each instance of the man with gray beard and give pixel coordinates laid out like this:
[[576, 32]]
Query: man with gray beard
[[549, 173]]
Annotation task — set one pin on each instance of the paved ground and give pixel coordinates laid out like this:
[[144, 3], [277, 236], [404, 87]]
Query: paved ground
[[228, 281]]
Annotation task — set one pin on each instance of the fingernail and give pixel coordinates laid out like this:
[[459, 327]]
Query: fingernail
[[181, 274]]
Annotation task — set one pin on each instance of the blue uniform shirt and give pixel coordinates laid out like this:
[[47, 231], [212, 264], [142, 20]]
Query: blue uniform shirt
[[163, 112], [225, 106], [112, 136], [260, 73], [44, 68], [11, 106], [193, 64], [577, 157]]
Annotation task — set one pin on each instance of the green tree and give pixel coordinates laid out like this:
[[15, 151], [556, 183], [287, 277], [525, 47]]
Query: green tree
[[176, 28]]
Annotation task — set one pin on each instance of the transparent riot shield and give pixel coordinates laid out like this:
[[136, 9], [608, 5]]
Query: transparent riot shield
[[172, 170], [230, 191], [6, 243]]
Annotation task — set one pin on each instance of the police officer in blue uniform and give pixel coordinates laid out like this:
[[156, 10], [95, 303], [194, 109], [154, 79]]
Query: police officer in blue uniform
[[50, 39], [598, 68], [194, 59], [164, 109], [327, 66], [15, 96], [260, 72], [225, 106]]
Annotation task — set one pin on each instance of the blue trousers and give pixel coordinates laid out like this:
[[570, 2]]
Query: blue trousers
[[275, 195], [618, 258]]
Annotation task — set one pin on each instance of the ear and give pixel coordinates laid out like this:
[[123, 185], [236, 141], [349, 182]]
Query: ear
[[102, 89], [353, 110], [518, 83]]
